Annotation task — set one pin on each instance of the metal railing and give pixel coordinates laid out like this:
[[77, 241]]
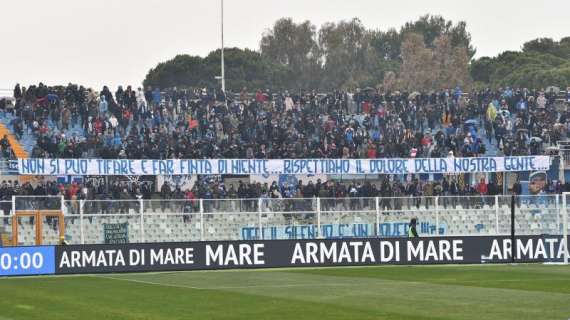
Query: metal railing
[[8, 167], [88, 221]]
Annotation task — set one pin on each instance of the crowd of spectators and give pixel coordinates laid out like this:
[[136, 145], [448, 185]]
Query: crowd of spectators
[[200, 123], [245, 196]]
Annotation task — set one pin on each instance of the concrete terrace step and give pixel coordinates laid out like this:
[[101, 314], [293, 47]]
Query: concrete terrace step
[[21, 151]]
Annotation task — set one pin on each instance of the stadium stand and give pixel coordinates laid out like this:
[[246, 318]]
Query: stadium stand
[[75, 122], [72, 121]]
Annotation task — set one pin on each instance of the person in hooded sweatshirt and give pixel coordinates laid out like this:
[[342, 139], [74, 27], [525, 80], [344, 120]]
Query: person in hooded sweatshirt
[[412, 231]]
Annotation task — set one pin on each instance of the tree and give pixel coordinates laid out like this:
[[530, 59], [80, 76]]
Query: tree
[[418, 70], [564, 48], [244, 68], [541, 63], [423, 68], [389, 82], [451, 63], [388, 43], [343, 47], [341, 54], [182, 70], [481, 69], [459, 68], [293, 46], [443, 60], [431, 27], [541, 45]]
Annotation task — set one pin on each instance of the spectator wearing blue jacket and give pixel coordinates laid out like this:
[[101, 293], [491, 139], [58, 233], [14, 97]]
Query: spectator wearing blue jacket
[[156, 98], [457, 93], [521, 105], [117, 141]]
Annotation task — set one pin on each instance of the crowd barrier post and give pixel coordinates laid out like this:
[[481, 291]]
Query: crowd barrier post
[[318, 232], [565, 227], [201, 219], [377, 217], [141, 214], [497, 215], [61, 217], [13, 205], [259, 211], [558, 213], [81, 231], [437, 216], [513, 241]]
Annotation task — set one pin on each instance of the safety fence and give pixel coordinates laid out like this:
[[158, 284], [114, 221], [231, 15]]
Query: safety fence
[[44, 220]]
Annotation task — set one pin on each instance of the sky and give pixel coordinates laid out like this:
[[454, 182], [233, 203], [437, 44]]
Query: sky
[[116, 42]]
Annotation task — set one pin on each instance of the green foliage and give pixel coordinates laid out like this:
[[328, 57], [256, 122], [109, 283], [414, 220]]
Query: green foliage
[[430, 27], [294, 47], [349, 59], [246, 68], [294, 55], [243, 68], [542, 62], [183, 70], [481, 69]]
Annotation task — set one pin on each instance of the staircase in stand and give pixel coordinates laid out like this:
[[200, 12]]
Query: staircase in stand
[[17, 147]]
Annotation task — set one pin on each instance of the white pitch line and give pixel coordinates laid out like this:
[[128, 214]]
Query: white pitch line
[[511, 280], [229, 287], [303, 284], [149, 282], [283, 286], [300, 268]]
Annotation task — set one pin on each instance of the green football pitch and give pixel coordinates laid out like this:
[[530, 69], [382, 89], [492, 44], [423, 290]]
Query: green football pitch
[[384, 292]]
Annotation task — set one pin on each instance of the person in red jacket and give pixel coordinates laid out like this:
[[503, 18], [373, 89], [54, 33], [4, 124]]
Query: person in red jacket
[[190, 205], [371, 153], [259, 97], [482, 190]]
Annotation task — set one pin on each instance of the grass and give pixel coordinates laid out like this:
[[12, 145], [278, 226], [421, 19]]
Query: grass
[[385, 292]]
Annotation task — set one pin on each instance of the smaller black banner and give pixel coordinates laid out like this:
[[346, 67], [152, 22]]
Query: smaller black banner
[[116, 233]]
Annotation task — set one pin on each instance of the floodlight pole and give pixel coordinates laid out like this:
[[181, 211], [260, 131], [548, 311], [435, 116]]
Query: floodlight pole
[[222, 60], [564, 213], [562, 151], [565, 232]]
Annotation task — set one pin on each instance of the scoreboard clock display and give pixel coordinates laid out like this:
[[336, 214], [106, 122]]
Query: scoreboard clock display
[[22, 261]]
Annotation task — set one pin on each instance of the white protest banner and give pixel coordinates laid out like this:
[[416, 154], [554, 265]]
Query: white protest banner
[[279, 166]]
